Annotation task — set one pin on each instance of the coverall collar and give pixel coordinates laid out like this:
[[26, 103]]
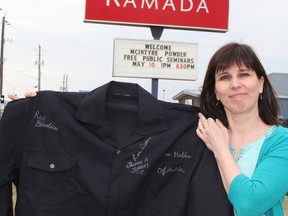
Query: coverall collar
[[151, 117]]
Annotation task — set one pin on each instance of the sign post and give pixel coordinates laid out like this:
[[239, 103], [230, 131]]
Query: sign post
[[156, 33]]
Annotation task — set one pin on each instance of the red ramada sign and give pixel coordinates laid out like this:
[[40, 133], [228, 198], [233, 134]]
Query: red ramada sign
[[207, 15]]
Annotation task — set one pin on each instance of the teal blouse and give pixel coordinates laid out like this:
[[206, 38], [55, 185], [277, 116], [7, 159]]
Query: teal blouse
[[263, 193]]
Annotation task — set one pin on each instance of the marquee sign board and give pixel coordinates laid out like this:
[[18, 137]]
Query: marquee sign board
[[155, 59], [205, 15]]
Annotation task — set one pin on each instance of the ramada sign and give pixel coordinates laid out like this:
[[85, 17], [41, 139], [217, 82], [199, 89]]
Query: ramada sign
[[206, 15]]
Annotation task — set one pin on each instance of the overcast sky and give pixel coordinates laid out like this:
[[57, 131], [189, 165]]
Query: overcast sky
[[84, 51]]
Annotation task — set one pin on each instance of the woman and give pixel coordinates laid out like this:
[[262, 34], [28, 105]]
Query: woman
[[250, 147]]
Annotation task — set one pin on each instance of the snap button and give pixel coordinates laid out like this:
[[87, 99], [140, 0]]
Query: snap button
[[118, 152], [52, 166]]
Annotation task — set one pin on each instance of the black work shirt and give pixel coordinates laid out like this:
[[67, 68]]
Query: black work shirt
[[115, 151]]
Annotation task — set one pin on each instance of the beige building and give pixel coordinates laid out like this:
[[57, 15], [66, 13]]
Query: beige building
[[188, 96]]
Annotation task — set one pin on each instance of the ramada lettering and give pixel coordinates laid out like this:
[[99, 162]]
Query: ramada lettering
[[185, 5]]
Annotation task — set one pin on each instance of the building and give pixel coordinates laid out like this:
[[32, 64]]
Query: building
[[279, 82], [187, 96]]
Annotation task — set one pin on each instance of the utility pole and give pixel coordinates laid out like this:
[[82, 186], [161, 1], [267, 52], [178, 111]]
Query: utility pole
[[2, 55], [39, 68], [64, 87], [66, 83]]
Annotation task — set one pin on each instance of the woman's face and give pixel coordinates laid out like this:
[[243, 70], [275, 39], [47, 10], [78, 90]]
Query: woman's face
[[238, 89]]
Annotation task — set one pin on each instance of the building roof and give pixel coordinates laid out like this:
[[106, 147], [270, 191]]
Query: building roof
[[184, 93]]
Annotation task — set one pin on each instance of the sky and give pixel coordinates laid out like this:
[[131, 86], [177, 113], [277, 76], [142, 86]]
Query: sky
[[84, 51]]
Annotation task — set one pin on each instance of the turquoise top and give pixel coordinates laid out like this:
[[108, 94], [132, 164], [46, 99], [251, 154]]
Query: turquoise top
[[248, 154], [260, 191]]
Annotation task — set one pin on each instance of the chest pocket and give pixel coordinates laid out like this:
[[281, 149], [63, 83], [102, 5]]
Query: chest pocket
[[46, 182], [50, 175], [50, 163]]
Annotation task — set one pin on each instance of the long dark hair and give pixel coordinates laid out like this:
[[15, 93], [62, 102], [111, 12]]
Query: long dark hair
[[225, 57]]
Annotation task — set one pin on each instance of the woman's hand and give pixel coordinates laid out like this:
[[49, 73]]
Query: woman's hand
[[27, 94], [216, 137], [213, 133]]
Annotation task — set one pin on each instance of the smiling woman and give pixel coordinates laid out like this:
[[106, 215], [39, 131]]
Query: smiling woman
[[245, 135], [239, 88]]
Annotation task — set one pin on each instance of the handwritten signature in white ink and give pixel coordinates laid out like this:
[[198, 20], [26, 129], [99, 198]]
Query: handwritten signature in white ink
[[138, 167], [142, 146], [183, 155], [40, 122], [165, 170]]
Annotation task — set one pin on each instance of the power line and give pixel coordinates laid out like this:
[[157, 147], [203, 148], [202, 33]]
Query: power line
[[26, 42]]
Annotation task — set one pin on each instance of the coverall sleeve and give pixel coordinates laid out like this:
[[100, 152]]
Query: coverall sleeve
[[207, 195], [12, 127]]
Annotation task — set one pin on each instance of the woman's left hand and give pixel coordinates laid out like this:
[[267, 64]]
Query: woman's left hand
[[213, 133], [216, 137]]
